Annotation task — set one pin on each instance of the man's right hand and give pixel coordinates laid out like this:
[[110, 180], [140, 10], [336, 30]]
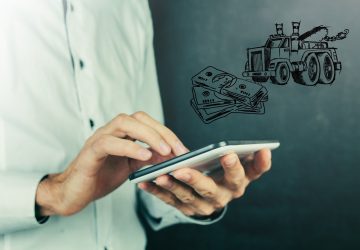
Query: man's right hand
[[105, 162]]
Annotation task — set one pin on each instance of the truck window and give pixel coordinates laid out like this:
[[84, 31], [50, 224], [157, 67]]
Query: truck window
[[286, 43], [273, 43]]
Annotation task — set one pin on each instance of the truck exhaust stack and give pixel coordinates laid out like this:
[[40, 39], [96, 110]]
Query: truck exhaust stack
[[296, 28], [279, 29]]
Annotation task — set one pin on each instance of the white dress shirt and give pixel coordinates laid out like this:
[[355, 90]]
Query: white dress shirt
[[66, 68]]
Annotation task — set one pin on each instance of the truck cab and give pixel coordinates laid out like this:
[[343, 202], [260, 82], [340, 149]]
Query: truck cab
[[261, 64], [280, 47]]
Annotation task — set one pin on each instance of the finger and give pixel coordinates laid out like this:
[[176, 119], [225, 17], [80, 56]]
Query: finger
[[203, 185], [185, 194], [176, 145], [245, 160], [109, 145], [166, 197], [155, 159], [124, 125], [234, 173], [261, 164]]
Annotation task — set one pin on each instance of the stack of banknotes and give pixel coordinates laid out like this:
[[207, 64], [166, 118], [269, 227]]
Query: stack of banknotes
[[217, 94]]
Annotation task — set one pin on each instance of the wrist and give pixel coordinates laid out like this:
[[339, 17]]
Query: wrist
[[48, 196]]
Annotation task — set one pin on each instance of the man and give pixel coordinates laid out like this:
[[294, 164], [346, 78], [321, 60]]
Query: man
[[73, 75]]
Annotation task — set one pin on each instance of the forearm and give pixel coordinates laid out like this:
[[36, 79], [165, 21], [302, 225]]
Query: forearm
[[51, 197]]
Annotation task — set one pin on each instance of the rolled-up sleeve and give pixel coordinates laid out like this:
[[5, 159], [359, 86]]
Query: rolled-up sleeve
[[17, 200]]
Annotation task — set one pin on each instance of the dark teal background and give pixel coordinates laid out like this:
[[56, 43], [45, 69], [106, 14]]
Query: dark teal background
[[311, 197]]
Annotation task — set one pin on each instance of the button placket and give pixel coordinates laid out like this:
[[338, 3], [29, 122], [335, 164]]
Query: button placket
[[85, 79], [69, 9], [72, 21]]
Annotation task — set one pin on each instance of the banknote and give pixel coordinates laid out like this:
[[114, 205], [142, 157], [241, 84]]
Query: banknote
[[213, 78], [245, 91], [209, 115], [207, 98], [258, 109]]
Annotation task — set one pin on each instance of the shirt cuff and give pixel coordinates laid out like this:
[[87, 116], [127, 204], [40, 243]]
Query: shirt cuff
[[17, 193], [205, 220], [160, 215], [40, 219]]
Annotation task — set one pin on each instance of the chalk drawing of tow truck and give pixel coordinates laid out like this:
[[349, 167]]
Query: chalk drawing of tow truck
[[282, 56]]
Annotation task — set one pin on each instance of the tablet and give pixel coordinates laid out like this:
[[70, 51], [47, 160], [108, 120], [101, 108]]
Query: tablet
[[205, 159]]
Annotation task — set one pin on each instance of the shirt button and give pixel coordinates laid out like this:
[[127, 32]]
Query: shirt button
[[92, 124], [82, 64]]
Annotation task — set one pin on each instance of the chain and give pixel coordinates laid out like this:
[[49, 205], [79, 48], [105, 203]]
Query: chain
[[340, 36]]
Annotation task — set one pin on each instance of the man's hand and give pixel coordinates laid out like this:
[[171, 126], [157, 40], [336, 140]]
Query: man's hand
[[197, 195], [105, 162]]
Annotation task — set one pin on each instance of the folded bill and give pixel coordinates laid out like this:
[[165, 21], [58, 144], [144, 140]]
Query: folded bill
[[213, 78]]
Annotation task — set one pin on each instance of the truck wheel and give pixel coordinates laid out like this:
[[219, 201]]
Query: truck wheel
[[260, 78], [282, 74], [327, 69], [309, 77]]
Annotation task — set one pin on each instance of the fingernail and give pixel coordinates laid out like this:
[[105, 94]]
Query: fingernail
[[144, 154], [230, 161], [184, 177], [164, 147], [142, 186], [167, 184], [180, 148]]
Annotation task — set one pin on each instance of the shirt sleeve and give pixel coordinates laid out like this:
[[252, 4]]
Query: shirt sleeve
[[160, 215], [17, 200], [157, 213]]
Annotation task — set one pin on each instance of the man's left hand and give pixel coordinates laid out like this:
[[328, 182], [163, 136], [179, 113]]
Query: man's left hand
[[195, 194]]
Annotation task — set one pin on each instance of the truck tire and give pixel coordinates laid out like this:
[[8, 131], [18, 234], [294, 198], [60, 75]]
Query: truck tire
[[282, 74], [327, 69], [260, 78], [309, 77]]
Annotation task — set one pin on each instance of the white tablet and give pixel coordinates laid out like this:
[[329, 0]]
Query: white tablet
[[205, 159]]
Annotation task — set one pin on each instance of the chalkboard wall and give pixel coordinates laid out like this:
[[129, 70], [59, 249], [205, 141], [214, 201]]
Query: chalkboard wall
[[311, 197]]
